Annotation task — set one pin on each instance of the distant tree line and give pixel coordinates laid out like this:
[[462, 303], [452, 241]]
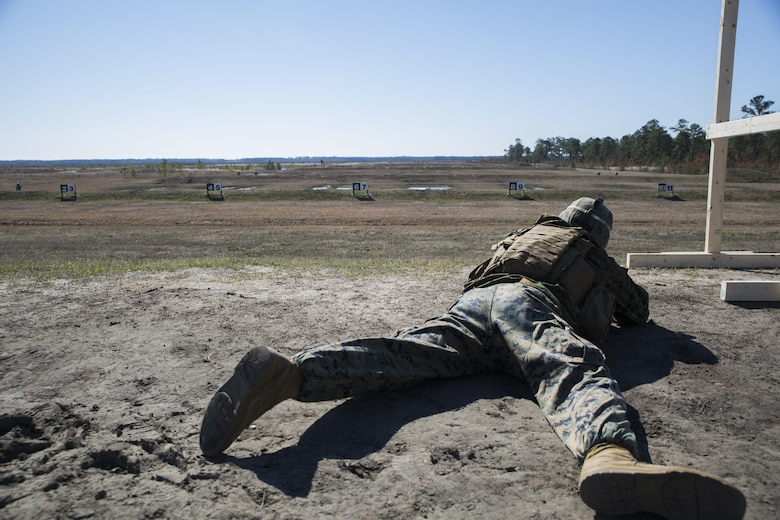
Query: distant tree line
[[684, 150]]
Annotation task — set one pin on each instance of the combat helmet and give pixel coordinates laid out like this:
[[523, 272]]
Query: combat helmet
[[591, 215]]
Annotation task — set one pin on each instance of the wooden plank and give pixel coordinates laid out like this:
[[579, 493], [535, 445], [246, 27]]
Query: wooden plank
[[750, 125], [749, 291], [727, 40], [716, 195], [716, 188], [724, 260]]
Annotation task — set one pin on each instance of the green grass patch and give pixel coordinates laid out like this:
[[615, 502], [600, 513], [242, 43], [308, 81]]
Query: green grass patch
[[47, 270]]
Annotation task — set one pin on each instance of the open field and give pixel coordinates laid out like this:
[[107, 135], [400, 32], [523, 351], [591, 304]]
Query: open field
[[121, 222], [122, 312]]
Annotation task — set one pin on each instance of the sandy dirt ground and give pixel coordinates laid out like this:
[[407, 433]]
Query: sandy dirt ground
[[103, 384]]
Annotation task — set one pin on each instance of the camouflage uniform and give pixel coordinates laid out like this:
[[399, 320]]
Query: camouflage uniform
[[505, 323]]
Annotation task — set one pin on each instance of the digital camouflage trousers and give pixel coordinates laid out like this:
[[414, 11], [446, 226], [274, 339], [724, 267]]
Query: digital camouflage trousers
[[506, 328]]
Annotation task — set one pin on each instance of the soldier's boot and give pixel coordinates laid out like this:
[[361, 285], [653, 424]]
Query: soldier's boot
[[613, 482], [261, 380]]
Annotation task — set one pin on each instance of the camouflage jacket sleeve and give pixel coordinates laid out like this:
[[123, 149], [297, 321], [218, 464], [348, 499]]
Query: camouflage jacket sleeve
[[631, 300]]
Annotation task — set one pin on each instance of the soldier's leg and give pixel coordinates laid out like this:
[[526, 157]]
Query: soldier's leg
[[585, 408], [455, 344], [449, 346], [573, 387]]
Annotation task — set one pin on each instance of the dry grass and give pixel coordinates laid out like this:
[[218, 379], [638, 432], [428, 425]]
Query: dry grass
[[153, 222]]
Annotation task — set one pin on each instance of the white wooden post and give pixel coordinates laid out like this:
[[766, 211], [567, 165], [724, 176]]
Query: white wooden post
[[719, 147]]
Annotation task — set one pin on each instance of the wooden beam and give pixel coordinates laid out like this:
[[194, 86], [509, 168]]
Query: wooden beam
[[725, 72], [723, 260], [716, 196], [750, 125], [716, 188], [749, 291]]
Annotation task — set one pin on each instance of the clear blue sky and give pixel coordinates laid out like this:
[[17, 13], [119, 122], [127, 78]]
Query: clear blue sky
[[231, 79]]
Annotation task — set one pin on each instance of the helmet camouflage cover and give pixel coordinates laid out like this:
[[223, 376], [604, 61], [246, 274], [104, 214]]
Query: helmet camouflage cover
[[591, 215]]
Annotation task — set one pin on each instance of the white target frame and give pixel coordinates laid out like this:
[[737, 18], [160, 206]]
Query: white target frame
[[213, 188], [516, 186], [67, 192], [358, 188]]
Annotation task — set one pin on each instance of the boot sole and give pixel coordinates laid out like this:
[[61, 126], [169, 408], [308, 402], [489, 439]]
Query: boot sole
[[675, 493], [239, 401]]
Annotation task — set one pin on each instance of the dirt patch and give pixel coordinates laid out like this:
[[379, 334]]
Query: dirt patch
[[104, 382]]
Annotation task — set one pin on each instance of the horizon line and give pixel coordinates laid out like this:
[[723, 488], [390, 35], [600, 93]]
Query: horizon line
[[301, 158]]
